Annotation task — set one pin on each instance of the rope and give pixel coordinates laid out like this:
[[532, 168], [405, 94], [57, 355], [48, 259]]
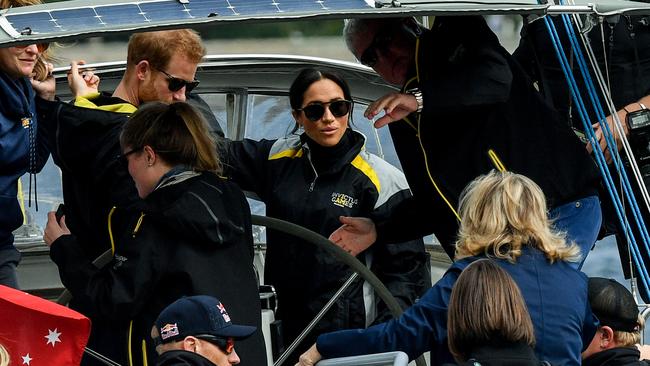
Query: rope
[[602, 165]]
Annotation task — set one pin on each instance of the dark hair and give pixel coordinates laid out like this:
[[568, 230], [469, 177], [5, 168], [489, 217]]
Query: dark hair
[[177, 132], [486, 306], [303, 81]]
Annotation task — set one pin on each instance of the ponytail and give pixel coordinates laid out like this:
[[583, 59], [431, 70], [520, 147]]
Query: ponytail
[[176, 132]]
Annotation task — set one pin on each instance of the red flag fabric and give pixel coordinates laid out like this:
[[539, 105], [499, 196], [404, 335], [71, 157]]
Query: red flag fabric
[[38, 332]]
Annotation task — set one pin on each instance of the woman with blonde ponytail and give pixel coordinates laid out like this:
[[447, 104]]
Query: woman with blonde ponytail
[[192, 238]]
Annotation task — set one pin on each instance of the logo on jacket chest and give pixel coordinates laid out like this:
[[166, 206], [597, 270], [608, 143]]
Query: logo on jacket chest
[[343, 200]]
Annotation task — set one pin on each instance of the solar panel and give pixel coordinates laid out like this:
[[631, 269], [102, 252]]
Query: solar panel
[[86, 18], [79, 17]]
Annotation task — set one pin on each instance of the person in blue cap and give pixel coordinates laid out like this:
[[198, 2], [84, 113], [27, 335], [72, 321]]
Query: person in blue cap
[[197, 330]]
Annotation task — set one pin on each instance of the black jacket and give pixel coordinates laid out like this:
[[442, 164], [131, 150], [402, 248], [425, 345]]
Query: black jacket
[[509, 354], [481, 112], [183, 358], [193, 237], [622, 356], [627, 69], [84, 140], [85, 144], [312, 186]]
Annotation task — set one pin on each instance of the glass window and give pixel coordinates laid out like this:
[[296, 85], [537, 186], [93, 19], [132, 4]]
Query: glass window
[[217, 103], [269, 117], [47, 188]]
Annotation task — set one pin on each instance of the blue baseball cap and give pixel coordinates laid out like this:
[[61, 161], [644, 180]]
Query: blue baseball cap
[[198, 315]]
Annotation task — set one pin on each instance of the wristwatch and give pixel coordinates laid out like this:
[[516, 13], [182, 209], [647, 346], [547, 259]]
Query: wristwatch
[[418, 98]]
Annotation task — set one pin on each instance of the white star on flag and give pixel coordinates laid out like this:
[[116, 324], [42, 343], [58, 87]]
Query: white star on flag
[[53, 336], [26, 359]]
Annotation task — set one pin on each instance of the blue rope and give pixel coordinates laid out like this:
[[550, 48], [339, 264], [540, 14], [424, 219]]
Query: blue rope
[[597, 152], [607, 132]]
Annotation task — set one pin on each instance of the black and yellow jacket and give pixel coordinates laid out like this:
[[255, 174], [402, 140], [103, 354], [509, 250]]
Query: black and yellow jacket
[[84, 140], [309, 185], [193, 237], [481, 112]]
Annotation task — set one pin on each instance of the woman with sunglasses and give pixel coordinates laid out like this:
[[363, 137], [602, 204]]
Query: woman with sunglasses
[[193, 236], [21, 143], [311, 178]]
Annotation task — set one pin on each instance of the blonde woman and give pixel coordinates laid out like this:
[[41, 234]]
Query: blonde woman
[[5, 360], [503, 218], [22, 147]]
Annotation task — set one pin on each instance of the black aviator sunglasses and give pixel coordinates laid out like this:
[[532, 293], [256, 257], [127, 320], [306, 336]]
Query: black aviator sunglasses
[[315, 111], [175, 84]]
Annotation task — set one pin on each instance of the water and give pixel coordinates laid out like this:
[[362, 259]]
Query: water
[[603, 261]]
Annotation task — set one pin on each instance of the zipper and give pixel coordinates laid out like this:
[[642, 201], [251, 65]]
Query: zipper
[[313, 168], [417, 134]]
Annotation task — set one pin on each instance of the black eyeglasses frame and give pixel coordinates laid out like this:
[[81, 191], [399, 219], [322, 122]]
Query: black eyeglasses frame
[[122, 158], [315, 111], [175, 84]]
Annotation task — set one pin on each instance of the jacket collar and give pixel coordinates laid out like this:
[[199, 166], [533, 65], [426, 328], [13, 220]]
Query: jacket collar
[[511, 353], [614, 357], [181, 357], [331, 160]]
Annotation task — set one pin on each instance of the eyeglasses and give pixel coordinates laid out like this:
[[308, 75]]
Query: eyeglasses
[[314, 112], [381, 42], [226, 345], [176, 84], [122, 158]]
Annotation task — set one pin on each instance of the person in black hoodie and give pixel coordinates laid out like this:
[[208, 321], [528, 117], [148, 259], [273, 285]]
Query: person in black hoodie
[[620, 326], [487, 319], [311, 178], [466, 107], [192, 237], [197, 330]]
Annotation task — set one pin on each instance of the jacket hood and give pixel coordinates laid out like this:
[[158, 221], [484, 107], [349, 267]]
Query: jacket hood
[[197, 205]]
